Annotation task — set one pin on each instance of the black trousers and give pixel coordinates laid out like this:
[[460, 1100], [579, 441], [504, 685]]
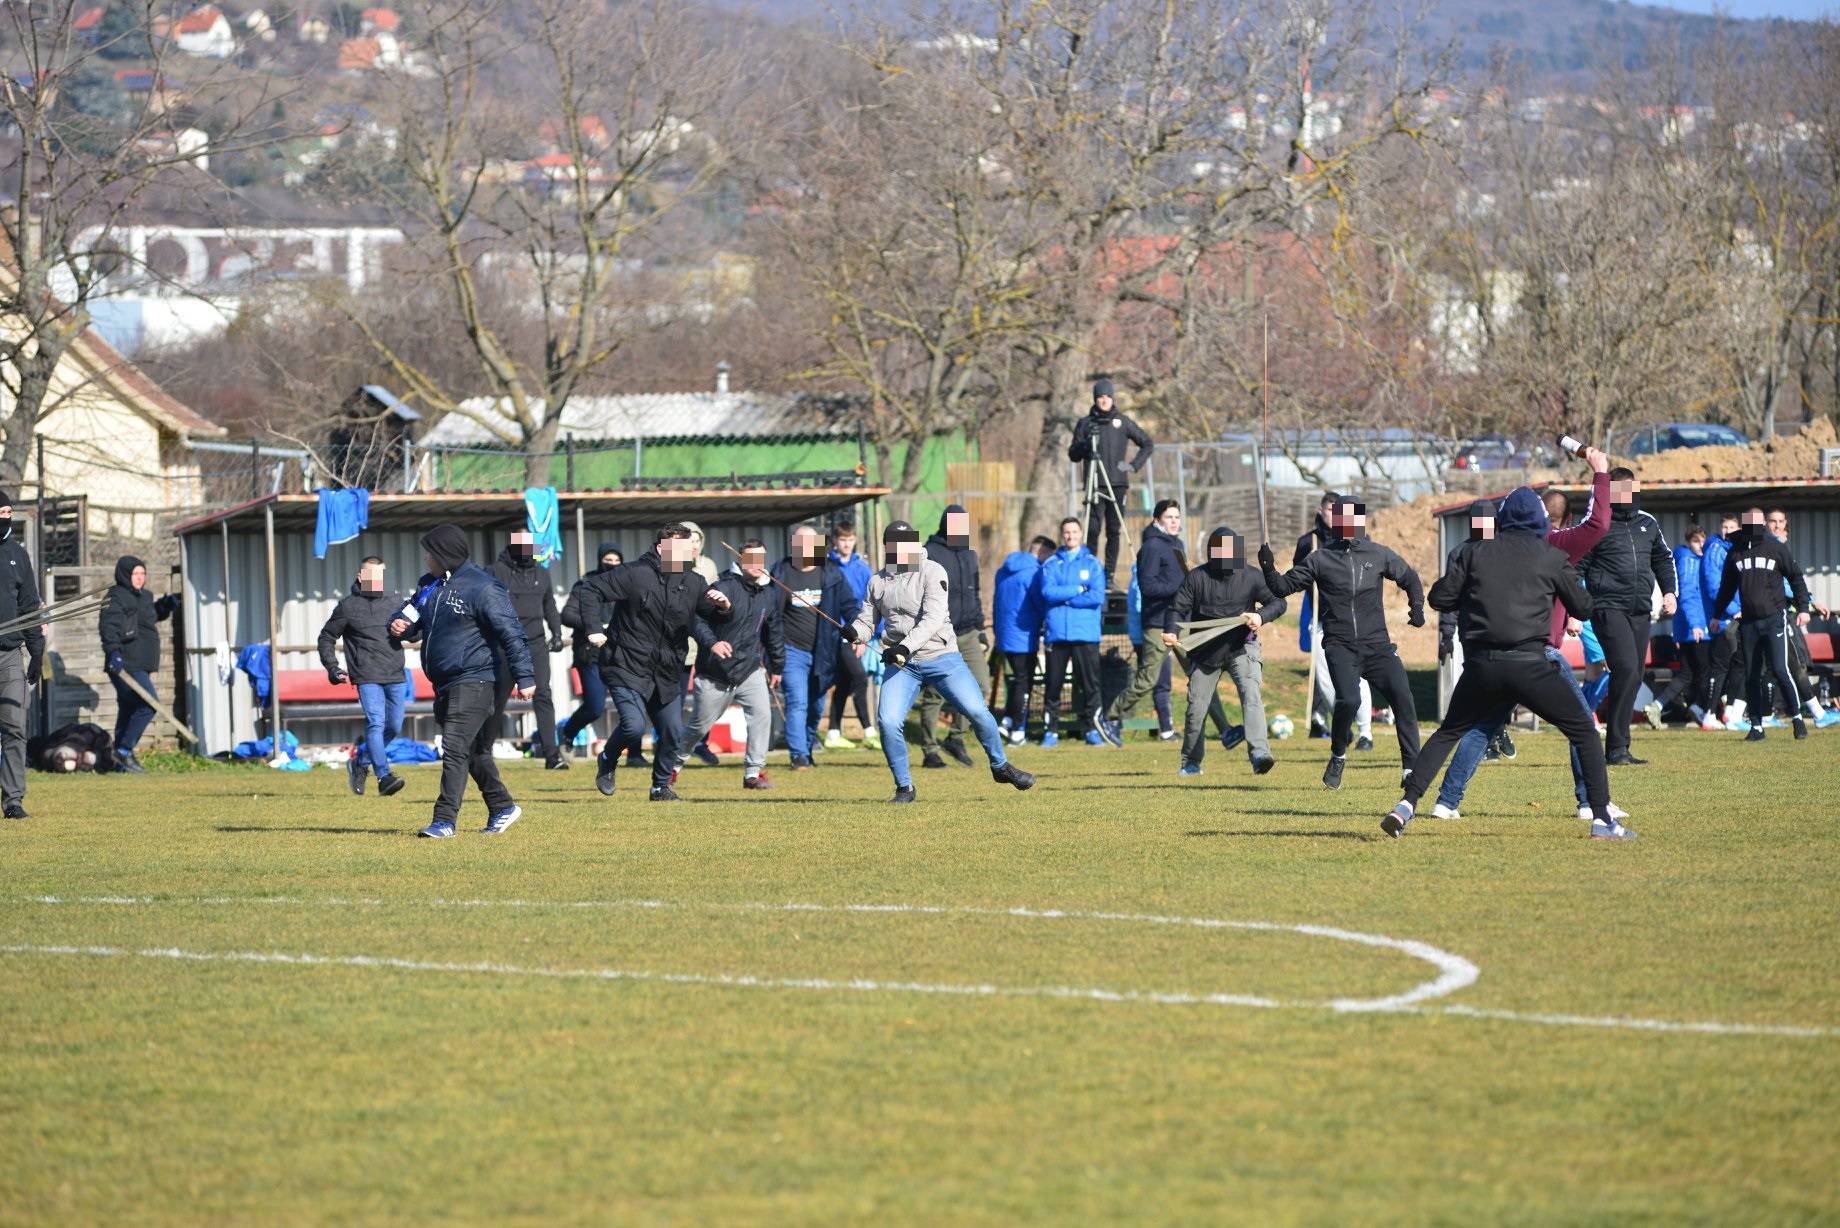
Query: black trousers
[[468, 713], [1019, 670], [1623, 635], [1386, 676], [1493, 681], [1084, 658], [1728, 664], [1692, 682], [1105, 513], [852, 684], [1766, 644], [542, 701]]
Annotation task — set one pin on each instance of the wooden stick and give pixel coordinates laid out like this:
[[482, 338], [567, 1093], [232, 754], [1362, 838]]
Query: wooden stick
[[769, 575], [1265, 438], [157, 706]]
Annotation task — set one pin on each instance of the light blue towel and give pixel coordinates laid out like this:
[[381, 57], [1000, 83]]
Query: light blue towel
[[543, 514], [343, 514]]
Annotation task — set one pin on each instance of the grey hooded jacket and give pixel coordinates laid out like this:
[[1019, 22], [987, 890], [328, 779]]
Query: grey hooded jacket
[[917, 607]]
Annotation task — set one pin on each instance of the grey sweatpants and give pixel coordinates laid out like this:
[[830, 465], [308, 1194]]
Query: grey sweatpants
[[710, 699], [1247, 668], [13, 694]]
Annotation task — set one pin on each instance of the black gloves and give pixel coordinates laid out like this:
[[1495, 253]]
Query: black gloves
[[336, 677], [1417, 617], [35, 668], [849, 633], [897, 655], [114, 662], [1445, 645], [555, 642], [984, 639], [166, 605], [1267, 559]]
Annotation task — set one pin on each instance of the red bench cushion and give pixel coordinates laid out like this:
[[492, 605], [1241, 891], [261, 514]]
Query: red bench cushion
[[309, 686], [1820, 646]]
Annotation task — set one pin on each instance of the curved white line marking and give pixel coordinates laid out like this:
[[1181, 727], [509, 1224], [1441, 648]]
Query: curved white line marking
[[1454, 972]]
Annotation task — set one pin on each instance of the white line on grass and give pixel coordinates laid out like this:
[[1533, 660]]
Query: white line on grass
[[1455, 972]]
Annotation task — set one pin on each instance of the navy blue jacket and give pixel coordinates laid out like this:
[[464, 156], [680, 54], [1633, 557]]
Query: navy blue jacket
[[837, 599], [1160, 572], [461, 619]]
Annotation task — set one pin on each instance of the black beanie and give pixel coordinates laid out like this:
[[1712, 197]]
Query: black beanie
[[6, 499], [446, 545], [1103, 388]]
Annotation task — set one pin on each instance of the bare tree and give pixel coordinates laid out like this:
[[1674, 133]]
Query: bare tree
[[85, 152], [538, 147]]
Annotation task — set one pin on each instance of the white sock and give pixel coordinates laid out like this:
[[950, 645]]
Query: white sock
[[1814, 708], [868, 731], [1735, 712]]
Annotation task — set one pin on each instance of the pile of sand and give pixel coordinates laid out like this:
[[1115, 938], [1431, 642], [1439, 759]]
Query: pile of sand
[[1792, 456]]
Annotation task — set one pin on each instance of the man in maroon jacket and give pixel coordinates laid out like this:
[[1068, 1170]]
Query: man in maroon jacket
[[1576, 542]]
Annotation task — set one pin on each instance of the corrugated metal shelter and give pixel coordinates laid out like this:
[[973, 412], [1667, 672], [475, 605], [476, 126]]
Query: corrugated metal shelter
[[1813, 505], [243, 562]]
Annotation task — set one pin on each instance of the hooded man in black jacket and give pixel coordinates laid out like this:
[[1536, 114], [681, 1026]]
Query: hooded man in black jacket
[[647, 607], [1622, 572], [130, 633], [1347, 575], [1502, 590], [1100, 439], [585, 658], [18, 598], [374, 662], [1755, 572], [534, 599], [1160, 572], [740, 655], [1322, 695], [950, 547], [1224, 587]]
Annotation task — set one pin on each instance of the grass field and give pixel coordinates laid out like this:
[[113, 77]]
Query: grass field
[[459, 1048]]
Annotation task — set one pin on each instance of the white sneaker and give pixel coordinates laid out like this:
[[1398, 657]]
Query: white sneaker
[[1616, 812], [1712, 724], [1441, 811]]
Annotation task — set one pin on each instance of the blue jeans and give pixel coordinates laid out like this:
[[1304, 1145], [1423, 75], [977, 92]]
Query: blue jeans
[[952, 678], [663, 712], [132, 713], [383, 718], [593, 703], [1468, 755], [804, 702]]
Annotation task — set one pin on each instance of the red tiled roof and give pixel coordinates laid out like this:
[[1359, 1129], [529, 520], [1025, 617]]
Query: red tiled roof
[[89, 19], [199, 21], [381, 18], [358, 53]]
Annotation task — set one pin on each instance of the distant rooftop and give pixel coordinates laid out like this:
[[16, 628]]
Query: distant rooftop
[[671, 416]]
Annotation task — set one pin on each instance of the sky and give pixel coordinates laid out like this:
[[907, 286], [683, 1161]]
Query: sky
[[1759, 8]]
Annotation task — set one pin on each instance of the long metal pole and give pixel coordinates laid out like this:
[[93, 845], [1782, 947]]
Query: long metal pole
[[229, 633], [581, 543], [44, 579], [1265, 432], [274, 664]]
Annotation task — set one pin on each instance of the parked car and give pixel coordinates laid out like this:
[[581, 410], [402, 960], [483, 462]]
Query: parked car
[[1493, 452], [1666, 436]]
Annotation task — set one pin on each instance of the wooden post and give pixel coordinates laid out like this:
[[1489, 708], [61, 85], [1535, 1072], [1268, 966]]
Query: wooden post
[[274, 664], [229, 633], [581, 543]]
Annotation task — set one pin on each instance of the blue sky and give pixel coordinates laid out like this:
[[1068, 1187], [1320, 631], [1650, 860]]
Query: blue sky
[[1759, 8]]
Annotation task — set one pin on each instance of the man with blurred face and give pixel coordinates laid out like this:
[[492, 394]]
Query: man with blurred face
[[533, 596], [1224, 587], [815, 599], [1160, 573], [653, 602], [740, 654], [911, 594], [1777, 521], [950, 547], [375, 660], [1623, 571], [1758, 571]]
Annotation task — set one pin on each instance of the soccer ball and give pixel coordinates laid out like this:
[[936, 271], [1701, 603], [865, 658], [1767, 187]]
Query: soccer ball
[[1281, 726]]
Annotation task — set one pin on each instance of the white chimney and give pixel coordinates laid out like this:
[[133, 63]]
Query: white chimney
[[722, 377]]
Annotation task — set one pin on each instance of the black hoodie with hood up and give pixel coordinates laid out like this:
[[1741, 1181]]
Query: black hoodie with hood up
[[18, 591], [131, 618], [372, 654], [1503, 590], [532, 595], [961, 564], [1221, 589]]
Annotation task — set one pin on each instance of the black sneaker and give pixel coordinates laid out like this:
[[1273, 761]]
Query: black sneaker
[[1490, 754], [16, 811], [902, 795], [1364, 744], [1010, 774], [1332, 773], [1234, 735], [354, 775], [556, 763], [1625, 759], [1263, 764], [390, 785], [663, 793], [1505, 745], [126, 762], [703, 755], [932, 760], [603, 779], [1755, 735], [636, 758], [955, 747], [1394, 824], [1801, 729]]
